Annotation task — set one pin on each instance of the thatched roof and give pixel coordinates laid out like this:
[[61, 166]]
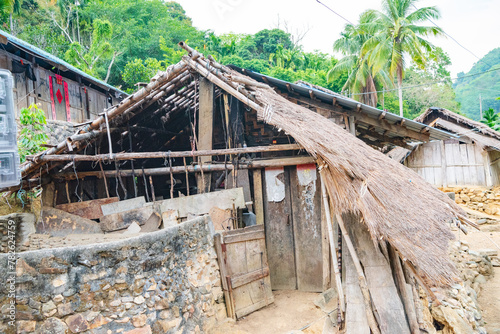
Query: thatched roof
[[453, 122], [396, 204]]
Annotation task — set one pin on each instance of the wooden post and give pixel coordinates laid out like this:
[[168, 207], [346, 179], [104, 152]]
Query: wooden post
[[205, 129], [258, 196], [372, 322], [221, 258], [338, 280]]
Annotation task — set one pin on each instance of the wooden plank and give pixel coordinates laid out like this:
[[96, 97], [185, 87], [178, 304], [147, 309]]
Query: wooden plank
[[60, 223], [202, 203], [258, 199], [221, 259], [450, 171], [325, 246], [122, 220], [306, 211], [355, 316], [385, 297], [88, 209], [279, 229], [255, 228], [237, 281], [444, 175], [487, 170], [122, 206], [231, 239], [254, 307], [474, 177]]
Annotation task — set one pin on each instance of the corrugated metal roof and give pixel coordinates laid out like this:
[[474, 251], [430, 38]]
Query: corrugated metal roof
[[55, 61], [346, 103]]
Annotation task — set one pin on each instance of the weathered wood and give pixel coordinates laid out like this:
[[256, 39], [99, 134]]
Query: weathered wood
[[222, 219], [306, 211], [242, 237], [380, 283], [245, 260], [153, 223], [88, 209], [258, 199], [205, 129], [122, 220], [221, 259], [202, 203], [403, 290], [60, 223], [355, 316], [361, 277], [237, 281], [338, 280], [279, 231], [121, 206]]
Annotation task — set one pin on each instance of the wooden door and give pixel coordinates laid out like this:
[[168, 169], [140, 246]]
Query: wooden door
[[293, 228], [244, 270], [306, 217], [279, 229]]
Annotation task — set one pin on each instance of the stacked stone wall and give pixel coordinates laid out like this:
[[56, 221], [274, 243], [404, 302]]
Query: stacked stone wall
[[160, 282]]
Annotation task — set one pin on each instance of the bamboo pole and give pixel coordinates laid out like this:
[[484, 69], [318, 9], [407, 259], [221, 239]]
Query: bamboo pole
[[191, 169], [164, 155], [338, 279], [372, 322]]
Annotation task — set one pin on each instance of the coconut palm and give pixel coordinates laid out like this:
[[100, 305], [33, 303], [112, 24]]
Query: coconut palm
[[362, 81], [397, 34]]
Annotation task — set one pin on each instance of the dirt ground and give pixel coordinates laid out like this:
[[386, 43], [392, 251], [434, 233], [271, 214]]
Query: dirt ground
[[489, 297], [291, 312]]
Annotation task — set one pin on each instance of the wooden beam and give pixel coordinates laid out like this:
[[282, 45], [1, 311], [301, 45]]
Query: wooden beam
[[258, 196], [363, 118], [163, 155], [396, 141], [205, 129]]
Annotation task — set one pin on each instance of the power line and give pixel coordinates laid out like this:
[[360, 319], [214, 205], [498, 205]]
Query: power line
[[331, 10], [453, 39], [428, 83]]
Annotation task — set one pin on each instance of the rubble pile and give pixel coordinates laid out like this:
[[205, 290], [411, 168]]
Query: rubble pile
[[485, 200], [459, 311]]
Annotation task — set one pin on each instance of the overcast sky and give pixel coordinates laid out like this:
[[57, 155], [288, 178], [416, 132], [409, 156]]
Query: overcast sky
[[473, 23]]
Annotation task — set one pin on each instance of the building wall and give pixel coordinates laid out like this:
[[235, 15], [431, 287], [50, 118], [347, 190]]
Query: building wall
[[160, 282], [451, 163], [28, 91]]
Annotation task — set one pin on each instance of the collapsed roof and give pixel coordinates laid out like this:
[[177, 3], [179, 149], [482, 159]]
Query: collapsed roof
[[395, 204]]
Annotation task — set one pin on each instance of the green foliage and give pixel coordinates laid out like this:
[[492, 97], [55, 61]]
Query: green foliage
[[470, 86], [491, 119], [32, 134], [141, 71]]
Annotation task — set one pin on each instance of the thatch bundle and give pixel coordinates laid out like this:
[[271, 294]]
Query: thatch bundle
[[396, 204]]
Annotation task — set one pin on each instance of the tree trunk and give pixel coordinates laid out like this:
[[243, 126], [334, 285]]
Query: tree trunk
[[11, 24], [400, 88]]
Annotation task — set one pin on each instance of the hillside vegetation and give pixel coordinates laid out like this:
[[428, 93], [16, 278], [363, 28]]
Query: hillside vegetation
[[469, 86]]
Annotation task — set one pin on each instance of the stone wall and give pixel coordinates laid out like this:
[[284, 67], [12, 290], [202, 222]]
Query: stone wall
[[485, 200], [161, 282]]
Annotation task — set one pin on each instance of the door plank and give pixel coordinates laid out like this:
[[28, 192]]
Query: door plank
[[279, 229]]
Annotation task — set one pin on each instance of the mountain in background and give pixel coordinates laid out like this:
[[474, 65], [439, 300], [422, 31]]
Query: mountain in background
[[469, 87]]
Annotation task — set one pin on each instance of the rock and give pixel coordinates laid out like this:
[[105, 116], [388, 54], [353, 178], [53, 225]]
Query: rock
[[49, 306], [25, 326], [450, 318], [480, 279], [139, 320], [77, 323], [326, 300], [52, 326], [64, 309], [139, 300], [488, 252], [144, 330], [134, 228]]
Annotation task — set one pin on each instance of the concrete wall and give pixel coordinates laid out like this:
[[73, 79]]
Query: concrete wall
[[161, 282]]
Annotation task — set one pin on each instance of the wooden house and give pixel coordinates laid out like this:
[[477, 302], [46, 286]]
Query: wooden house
[[331, 211], [471, 159], [64, 92]]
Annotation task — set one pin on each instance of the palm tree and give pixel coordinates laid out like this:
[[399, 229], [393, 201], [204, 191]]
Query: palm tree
[[397, 34], [362, 80]]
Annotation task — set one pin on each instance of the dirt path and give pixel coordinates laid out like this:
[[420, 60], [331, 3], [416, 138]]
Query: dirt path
[[291, 311], [489, 297]]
